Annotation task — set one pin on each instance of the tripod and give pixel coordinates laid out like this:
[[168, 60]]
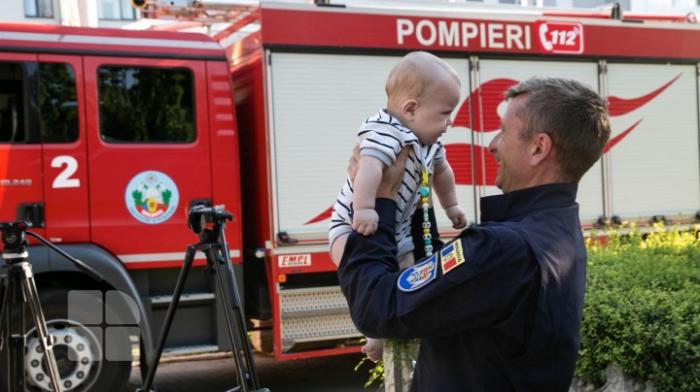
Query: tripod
[[208, 223], [19, 289]]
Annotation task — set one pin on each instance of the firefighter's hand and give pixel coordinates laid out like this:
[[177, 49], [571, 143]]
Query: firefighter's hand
[[365, 220], [391, 179]]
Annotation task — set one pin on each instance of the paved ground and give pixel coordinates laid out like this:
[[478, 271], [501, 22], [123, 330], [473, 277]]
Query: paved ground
[[309, 375]]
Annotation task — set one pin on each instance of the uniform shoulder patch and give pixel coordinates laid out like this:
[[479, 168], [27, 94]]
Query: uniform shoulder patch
[[419, 275], [451, 256]]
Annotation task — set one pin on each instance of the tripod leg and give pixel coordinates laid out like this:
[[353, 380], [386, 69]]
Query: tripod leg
[[32, 297], [235, 325], [17, 327], [8, 297], [189, 258], [3, 311], [242, 376]]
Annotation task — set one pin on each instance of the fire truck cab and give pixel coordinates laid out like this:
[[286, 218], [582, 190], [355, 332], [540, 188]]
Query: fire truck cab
[[106, 136]]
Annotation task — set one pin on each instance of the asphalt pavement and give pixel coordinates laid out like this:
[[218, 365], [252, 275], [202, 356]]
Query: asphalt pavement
[[215, 374]]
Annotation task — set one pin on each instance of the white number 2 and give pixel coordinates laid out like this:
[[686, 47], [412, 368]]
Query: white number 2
[[63, 179]]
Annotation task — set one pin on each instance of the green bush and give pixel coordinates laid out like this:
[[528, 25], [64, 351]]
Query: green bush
[[642, 309]]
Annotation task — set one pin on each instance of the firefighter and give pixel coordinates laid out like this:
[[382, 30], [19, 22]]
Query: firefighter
[[499, 307]]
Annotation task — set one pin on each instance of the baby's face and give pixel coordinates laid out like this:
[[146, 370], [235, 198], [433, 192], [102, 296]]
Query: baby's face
[[434, 112]]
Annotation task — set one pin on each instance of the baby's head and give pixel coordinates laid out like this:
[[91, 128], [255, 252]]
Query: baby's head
[[423, 90]]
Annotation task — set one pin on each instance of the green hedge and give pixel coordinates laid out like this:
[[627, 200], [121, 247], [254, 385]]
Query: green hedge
[[642, 310]]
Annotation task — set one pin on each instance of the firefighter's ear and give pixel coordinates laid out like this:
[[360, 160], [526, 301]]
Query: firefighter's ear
[[540, 148], [409, 108]]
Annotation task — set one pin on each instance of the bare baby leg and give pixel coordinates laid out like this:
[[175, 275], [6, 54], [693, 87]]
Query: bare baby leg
[[338, 248]]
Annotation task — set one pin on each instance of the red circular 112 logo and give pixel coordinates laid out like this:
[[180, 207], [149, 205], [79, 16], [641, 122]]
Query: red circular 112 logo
[[560, 37]]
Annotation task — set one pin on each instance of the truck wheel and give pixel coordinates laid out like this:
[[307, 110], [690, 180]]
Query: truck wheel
[[78, 349]]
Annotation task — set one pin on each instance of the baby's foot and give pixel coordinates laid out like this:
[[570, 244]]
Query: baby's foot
[[373, 349]]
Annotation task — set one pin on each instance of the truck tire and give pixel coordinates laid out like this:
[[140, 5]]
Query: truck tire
[[78, 349]]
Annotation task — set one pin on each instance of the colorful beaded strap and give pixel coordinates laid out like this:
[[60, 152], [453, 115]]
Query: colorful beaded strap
[[425, 204]]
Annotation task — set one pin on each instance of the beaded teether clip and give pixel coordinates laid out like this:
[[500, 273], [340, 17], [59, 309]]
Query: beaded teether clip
[[425, 204]]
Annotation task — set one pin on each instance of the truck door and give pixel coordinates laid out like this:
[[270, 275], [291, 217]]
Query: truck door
[[21, 193], [148, 148], [653, 150], [61, 103]]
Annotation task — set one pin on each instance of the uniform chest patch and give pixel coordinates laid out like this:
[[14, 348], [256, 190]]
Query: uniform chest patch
[[413, 278], [451, 256]]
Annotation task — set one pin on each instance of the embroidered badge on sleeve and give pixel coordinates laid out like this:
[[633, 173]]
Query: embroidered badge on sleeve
[[413, 278], [451, 256]]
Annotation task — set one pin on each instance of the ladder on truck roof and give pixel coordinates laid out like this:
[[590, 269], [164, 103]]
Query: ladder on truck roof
[[225, 21], [213, 11], [199, 13]]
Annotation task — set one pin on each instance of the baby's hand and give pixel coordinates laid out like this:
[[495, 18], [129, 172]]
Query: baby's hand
[[364, 221], [456, 215]]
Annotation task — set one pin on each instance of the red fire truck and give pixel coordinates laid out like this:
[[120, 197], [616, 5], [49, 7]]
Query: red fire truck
[[106, 137]]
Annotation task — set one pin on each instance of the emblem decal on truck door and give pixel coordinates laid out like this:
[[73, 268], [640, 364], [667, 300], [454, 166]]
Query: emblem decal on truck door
[[151, 197]]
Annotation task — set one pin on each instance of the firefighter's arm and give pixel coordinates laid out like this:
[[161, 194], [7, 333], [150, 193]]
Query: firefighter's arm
[[474, 281]]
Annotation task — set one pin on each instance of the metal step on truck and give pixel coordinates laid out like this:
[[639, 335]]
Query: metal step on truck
[[107, 136]]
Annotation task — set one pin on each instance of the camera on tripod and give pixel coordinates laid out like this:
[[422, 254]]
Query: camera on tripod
[[201, 217], [208, 223], [18, 292], [14, 238]]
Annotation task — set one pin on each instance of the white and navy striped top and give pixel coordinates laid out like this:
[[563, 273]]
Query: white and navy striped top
[[383, 137]]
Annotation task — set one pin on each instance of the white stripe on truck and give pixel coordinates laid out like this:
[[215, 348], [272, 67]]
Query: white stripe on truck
[[103, 40], [172, 256]]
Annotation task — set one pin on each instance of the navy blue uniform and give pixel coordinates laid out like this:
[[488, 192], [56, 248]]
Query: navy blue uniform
[[498, 309]]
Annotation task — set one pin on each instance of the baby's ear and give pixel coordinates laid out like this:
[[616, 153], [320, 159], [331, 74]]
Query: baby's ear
[[409, 107]]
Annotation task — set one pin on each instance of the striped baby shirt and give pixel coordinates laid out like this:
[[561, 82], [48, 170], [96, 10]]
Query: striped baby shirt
[[382, 136]]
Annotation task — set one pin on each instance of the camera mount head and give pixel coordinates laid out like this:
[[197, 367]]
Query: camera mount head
[[205, 220], [14, 239]]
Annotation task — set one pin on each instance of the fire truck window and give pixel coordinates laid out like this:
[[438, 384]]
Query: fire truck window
[[146, 105], [58, 103], [11, 104]]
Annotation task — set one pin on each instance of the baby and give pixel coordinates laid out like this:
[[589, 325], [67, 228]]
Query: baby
[[422, 92]]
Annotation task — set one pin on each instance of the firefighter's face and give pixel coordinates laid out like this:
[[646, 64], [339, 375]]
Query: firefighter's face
[[510, 149], [433, 111]]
